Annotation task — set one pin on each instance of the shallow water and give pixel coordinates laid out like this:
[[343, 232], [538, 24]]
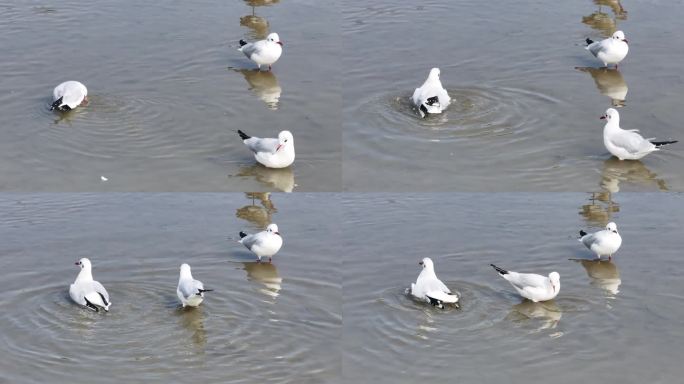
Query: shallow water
[[167, 90], [525, 107], [277, 322], [610, 321]]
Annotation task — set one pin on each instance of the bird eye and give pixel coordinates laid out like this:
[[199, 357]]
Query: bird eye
[[286, 140]]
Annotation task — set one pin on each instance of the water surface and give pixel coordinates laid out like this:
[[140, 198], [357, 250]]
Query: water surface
[[610, 322], [278, 322], [168, 90], [525, 108]]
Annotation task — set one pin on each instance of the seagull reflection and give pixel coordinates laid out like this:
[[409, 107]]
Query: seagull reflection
[[264, 85], [602, 21], [600, 209], [281, 179], [609, 83], [266, 274], [547, 311], [261, 3], [632, 172], [257, 24], [259, 215], [603, 274], [192, 319]]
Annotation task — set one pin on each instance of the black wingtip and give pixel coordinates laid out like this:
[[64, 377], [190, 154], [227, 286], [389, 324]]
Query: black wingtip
[[500, 270], [589, 41], [242, 43], [201, 291], [659, 144], [582, 233], [432, 100], [56, 103], [435, 302], [242, 234], [423, 109], [243, 135]]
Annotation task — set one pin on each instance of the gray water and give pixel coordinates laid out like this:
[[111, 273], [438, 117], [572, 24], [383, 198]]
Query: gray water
[[268, 323], [612, 322], [522, 118], [168, 90]]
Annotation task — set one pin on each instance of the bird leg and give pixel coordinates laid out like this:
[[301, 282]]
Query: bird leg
[[270, 259], [269, 67]]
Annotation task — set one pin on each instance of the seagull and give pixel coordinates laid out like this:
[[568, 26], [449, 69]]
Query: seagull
[[190, 291], [431, 289], [532, 286], [627, 144], [87, 292], [271, 152], [69, 95], [431, 97], [263, 52], [603, 243], [611, 50], [263, 244]]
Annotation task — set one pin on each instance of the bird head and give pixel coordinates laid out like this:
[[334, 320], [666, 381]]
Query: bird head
[[284, 138], [273, 37], [273, 228], [612, 227], [620, 36]]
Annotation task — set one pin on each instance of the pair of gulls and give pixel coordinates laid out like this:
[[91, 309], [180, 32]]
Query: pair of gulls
[[429, 288], [432, 98], [90, 293]]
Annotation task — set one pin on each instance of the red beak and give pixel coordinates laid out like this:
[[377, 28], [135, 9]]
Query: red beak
[[277, 233], [76, 263], [420, 263], [278, 147], [281, 43], [625, 40], [602, 118]]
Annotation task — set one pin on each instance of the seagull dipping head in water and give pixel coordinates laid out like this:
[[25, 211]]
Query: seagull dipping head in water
[[68, 96], [431, 97]]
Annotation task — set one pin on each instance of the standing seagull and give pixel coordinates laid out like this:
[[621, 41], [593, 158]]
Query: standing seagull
[[603, 243], [431, 97], [69, 95], [87, 292], [271, 152], [263, 52], [627, 144], [431, 289], [190, 291], [532, 286], [611, 50], [263, 244]]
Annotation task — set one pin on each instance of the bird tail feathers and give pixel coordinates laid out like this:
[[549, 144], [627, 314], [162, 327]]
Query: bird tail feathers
[[243, 136], [659, 144], [500, 270]]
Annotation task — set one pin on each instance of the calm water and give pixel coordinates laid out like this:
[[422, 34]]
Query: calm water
[[167, 92], [611, 321], [264, 323], [523, 117]]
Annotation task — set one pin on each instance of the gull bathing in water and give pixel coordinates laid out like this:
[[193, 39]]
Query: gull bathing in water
[[263, 52], [431, 289], [611, 50], [431, 97], [603, 243], [87, 292], [627, 144], [263, 244], [532, 286], [69, 95], [190, 291], [271, 152]]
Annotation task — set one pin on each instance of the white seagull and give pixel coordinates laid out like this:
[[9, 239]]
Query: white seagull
[[431, 289], [532, 286], [190, 291], [271, 152], [627, 144], [611, 50], [87, 292], [69, 95], [431, 97], [603, 243], [263, 52], [263, 244]]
